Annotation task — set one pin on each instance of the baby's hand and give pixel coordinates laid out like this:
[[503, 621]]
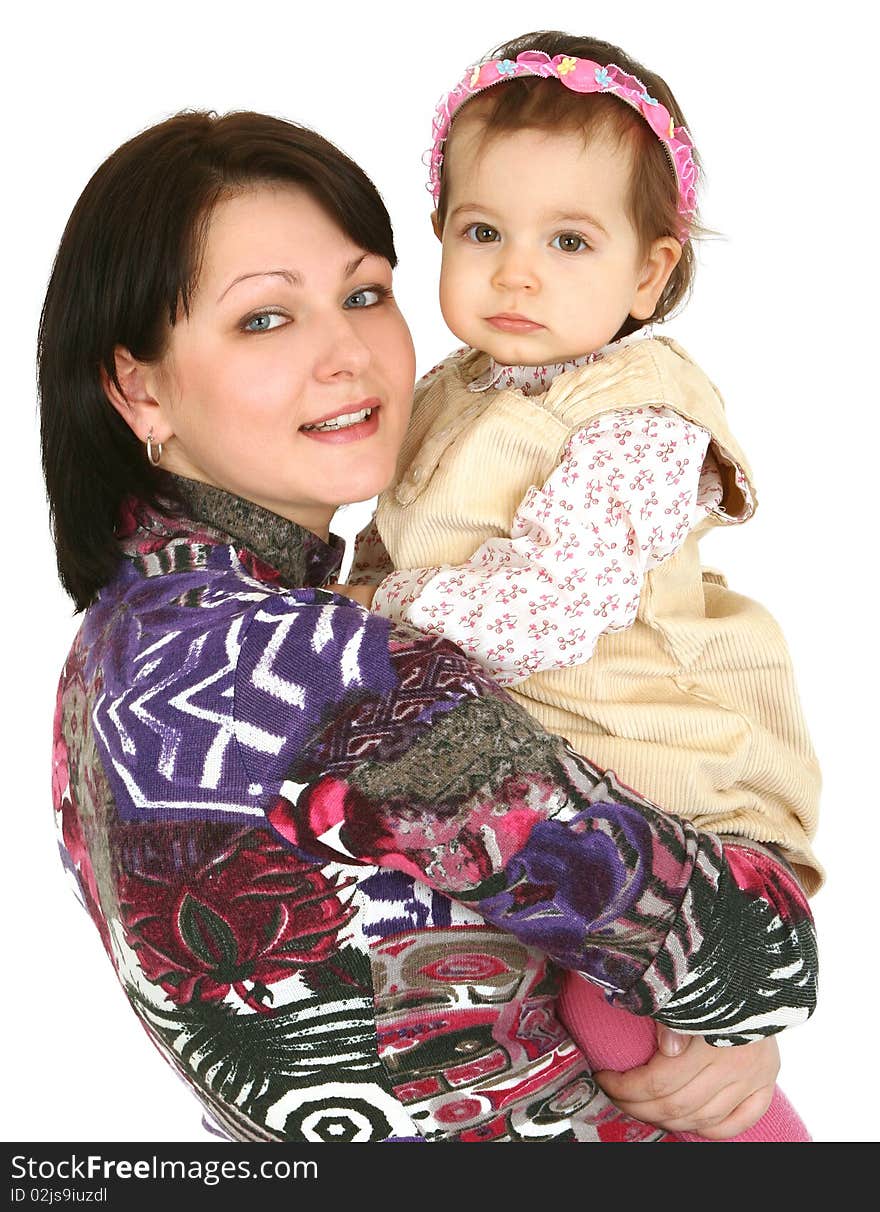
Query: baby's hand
[[358, 593], [715, 1092]]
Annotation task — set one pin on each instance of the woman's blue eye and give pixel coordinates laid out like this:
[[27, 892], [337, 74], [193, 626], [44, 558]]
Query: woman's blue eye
[[481, 233], [263, 322], [368, 297], [569, 241]]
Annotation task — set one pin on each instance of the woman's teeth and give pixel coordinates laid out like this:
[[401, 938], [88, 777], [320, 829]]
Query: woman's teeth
[[343, 422]]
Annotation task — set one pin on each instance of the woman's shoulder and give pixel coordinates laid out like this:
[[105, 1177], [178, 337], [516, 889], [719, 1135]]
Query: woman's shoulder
[[209, 678], [183, 603], [220, 720]]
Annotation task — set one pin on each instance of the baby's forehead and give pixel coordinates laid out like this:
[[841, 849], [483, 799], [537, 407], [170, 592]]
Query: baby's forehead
[[474, 134], [485, 157]]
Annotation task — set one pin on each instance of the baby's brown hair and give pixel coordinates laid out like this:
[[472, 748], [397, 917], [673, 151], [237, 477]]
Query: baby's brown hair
[[541, 104]]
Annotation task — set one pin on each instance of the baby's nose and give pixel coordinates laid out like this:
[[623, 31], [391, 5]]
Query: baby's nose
[[515, 270]]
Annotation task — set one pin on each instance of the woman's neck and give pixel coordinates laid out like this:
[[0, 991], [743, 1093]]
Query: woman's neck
[[315, 518]]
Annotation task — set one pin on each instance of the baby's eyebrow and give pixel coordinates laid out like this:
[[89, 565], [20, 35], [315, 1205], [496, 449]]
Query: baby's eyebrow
[[557, 217], [463, 206], [568, 217]]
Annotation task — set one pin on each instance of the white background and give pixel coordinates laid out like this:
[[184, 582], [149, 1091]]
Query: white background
[[782, 319]]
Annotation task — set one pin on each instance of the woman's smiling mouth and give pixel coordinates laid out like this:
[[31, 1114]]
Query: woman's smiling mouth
[[349, 423]]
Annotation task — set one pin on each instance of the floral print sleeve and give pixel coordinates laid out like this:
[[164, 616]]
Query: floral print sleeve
[[427, 768], [628, 490], [372, 562]]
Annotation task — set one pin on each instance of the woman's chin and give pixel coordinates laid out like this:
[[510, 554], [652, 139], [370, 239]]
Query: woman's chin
[[362, 484]]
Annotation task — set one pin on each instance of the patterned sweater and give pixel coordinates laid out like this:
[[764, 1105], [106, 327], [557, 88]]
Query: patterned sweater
[[338, 870]]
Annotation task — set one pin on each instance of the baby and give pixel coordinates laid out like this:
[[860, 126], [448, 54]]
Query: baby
[[560, 469]]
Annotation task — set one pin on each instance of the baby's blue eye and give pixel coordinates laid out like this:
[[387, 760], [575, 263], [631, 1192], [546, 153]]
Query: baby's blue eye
[[364, 298], [263, 322], [482, 233], [569, 241]]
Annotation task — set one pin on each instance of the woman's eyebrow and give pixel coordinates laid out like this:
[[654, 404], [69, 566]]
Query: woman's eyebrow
[[353, 266], [289, 275]]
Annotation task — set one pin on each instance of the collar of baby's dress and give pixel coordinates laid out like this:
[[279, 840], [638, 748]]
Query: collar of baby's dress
[[535, 380], [211, 516]]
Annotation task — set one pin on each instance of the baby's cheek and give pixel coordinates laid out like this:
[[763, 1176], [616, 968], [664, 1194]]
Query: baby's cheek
[[458, 303]]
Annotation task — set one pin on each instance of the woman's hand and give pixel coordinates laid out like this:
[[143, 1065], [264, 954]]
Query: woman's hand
[[689, 1086], [358, 593]]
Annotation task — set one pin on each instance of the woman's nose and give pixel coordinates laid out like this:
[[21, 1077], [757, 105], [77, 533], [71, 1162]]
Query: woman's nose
[[515, 270], [341, 351]]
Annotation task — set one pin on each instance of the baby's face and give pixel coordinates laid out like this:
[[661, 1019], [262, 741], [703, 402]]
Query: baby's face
[[540, 260]]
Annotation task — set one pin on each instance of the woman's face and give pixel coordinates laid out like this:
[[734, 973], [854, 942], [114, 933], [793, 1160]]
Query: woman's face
[[292, 326]]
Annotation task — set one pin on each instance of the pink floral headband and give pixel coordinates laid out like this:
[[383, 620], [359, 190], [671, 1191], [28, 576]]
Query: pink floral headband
[[581, 76]]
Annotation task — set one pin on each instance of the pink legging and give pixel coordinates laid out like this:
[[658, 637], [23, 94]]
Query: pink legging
[[616, 1039]]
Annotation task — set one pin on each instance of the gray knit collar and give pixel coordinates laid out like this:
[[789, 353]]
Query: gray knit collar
[[298, 554]]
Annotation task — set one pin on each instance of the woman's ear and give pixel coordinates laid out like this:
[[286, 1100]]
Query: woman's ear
[[134, 399], [435, 223], [663, 256]]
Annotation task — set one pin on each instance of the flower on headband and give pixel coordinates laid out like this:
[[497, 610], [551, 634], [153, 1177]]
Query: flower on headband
[[475, 75], [684, 161], [506, 67], [566, 66], [649, 100], [603, 78]]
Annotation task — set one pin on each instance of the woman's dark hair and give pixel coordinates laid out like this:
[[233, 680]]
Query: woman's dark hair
[[126, 268], [543, 104]]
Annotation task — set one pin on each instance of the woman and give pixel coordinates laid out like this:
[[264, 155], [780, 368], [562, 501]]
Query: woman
[[335, 867]]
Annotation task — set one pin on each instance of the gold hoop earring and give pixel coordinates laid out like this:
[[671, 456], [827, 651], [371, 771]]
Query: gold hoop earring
[[158, 448]]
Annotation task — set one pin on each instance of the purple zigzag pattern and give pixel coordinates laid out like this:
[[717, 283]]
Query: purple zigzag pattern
[[183, 667], [307, 658]]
